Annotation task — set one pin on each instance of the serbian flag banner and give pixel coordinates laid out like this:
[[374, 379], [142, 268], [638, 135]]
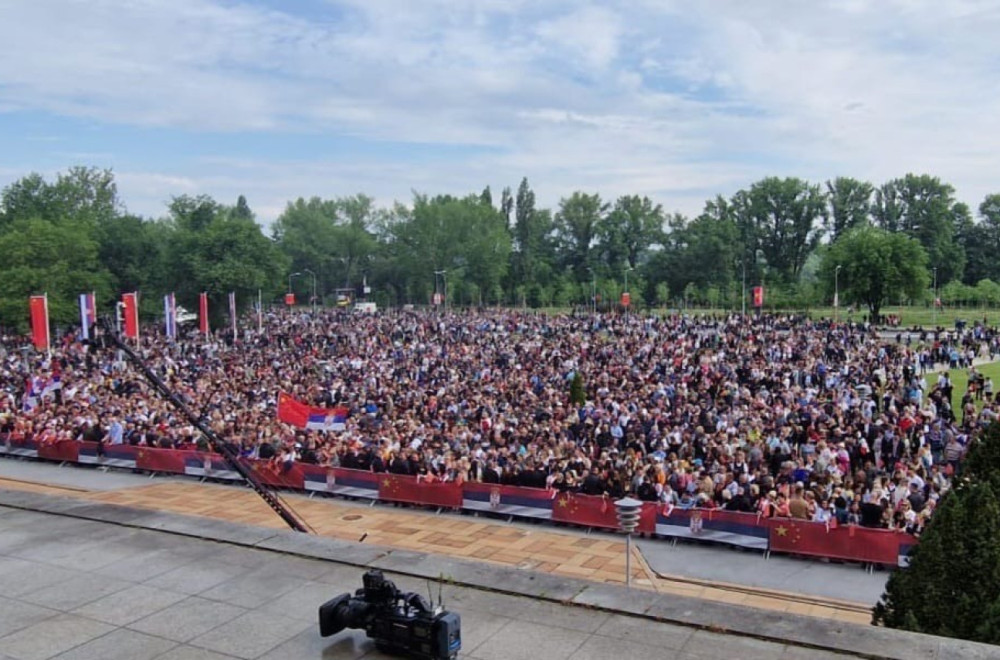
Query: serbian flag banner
[[88, 314], [232, 312], [40, 321], [203, 313], [170, 315], [303, 416], [130, 304]]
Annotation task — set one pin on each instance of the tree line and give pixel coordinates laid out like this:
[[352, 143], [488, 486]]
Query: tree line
[[905, 240]]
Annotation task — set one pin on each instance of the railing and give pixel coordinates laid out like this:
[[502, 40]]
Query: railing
[[747, 530]]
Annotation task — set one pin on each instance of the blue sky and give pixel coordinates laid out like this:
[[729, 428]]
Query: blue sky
[[667, 98]]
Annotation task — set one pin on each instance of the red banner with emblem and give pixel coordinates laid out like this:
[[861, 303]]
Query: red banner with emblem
[[597, 511], [404, 488], [877, 546]]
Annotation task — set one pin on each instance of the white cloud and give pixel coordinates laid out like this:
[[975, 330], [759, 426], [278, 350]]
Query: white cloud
[[674, 100]]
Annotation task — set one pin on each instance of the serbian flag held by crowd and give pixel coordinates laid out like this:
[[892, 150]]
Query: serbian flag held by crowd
[[303, 416], [40, 322], [88, 314], [130, 310]]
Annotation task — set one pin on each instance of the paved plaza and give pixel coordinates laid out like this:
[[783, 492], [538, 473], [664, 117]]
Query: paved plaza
[[838, 592], [82, 590]]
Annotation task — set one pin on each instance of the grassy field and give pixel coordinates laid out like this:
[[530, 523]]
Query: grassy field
[[909, 316], [960, 380]]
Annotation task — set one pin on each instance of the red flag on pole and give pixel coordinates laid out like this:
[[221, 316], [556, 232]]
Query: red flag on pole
[[40, 321], [130, 303], [203, 313]]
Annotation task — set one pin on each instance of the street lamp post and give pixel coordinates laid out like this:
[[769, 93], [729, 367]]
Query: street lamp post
[[290, 276], [314, 288], [593, 290], [836, 293]]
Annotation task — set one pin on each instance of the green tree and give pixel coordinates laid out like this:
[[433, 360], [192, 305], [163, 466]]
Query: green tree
[[577, 394], [924, 208], [981, 241], [576, 229], [877, 267], [40, 256], [952, 585], [628, 231], [850, 204], [787, 214]]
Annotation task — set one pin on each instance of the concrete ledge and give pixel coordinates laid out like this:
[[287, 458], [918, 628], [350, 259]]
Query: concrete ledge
[[796, 630]]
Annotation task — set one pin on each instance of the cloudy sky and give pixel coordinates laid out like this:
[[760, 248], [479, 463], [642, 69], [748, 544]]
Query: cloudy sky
[[674, 99]]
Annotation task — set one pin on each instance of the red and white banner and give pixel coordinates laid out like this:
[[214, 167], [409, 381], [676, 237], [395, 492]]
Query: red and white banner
[[130, 310], [758, 296], [39, 306], [203, 313]]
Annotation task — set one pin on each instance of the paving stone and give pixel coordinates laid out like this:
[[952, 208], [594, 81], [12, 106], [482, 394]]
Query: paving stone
[[346, 645], [302, 602], [572, 617], [194, 653], [661, 635], [251, 635], [30, 576], [187, 619], [52, 636], [73, 593], [704, 644], [15, 615], [197, 576], [129, 605], [253, 589], [120, 644], [530, 641]]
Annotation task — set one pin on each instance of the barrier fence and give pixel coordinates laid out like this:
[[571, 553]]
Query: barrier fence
[[747, 530]]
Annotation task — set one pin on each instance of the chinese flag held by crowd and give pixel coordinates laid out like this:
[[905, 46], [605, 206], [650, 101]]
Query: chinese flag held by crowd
[[289, 299]]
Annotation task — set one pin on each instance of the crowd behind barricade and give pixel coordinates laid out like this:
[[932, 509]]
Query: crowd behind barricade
[[777, 415]]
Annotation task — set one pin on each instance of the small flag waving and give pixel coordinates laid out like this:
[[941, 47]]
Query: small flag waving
[[232, 312], [203, 313], [170, 315], [130, 304], [40, 321], [88, 314]]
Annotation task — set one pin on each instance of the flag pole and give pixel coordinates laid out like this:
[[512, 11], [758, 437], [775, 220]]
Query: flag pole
[[260, 314], [48, 336]]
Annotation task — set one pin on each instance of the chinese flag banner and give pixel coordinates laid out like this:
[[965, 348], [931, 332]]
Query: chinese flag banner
[[130, 302], [405, 488], [290, 299], [203, 313], [853, 543], [40, 321], [758, 296]]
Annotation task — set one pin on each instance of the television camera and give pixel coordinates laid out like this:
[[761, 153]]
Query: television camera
[[398, 622]]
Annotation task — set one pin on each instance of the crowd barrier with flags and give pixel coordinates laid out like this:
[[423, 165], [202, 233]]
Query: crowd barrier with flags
[[746, 530]]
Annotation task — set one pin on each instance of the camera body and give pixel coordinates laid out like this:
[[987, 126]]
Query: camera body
[[398, 622]]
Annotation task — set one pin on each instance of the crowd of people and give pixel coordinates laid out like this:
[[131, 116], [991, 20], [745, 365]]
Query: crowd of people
[[778, 415]]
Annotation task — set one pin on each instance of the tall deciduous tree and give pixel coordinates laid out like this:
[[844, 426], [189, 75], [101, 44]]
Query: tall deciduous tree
[[850, 204], [787, 214], [633, 226], [877, 267], [924, 208], [575, 230]]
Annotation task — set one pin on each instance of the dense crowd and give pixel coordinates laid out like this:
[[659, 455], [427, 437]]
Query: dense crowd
[[778, 415]]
